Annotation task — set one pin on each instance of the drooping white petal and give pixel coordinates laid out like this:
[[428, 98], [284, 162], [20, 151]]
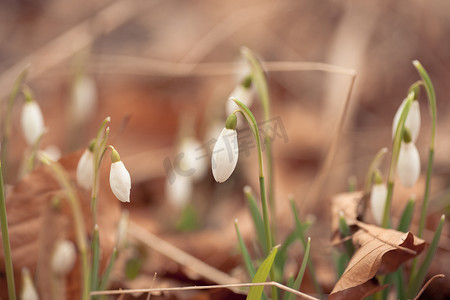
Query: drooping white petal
[[28, 291], [63, 258], [32, 122], [412, 120], [84, 99], [225, 155], [194, 157], [408, 164], [120, 181], [243, 94], [179, 192], [85, 170], [378, 201]]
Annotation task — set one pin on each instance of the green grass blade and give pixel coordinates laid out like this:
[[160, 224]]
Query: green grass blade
[[257, 219], [419, 278], [345, 232], [244, 251], [105, 278], [289, 283], [407, 215], [280, 260], [302, 237], [301, 272], [255, 292]]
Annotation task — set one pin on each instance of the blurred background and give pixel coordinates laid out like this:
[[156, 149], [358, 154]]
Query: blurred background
[[163, 71]]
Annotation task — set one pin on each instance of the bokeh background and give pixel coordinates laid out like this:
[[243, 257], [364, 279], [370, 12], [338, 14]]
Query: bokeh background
[[164, 69]]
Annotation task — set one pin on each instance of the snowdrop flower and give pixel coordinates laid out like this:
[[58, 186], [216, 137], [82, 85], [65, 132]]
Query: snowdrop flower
[[225, 153], [28, 291], [243, 92], [193, 157], [412, 122], [32, 120], [119, 178], [63, 258], [84, 99], [85, 168], [408, 162], [378, 198]]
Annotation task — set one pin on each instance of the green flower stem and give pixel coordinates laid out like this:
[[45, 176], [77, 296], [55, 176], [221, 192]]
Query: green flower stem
[[254, 127], [394, 160], [61, 176], [95, 258], [7, 123], [5, 240], [260, 82], [98, 153], [432, 106]]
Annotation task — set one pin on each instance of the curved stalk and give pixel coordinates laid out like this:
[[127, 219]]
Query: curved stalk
[[432, 106], [262, 187], [61, 176]]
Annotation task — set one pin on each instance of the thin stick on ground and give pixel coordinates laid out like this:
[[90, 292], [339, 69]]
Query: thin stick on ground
[[179, 255], [207, 287]]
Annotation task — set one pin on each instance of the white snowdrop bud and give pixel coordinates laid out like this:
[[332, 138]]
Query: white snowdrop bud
[[63, 258], [119, 178], [378, 201], [225, 153], [28, 291], [408, 164], [84, 99], [412, 122], [179, 192], [85, 169], [32, 120]]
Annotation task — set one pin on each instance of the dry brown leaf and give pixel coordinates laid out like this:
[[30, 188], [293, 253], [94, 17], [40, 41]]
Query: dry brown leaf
[[380, 251]]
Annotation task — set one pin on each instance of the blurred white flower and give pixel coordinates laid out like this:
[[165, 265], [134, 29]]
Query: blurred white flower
[[122, 229], [32, 122], [378, 201], [85, 170], [84, 99], [408, 164], [28, 291], [52, 152], [63, 258], [119, 178], [225, 155], [412, 121], [179, 192], [243, 94], [193, 157]]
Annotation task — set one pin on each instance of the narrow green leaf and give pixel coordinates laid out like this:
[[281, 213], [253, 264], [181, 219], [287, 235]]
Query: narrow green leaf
[[419, 278], [407, 215], [255, 292], [400, 285], [289, 283], [257, 219], [244, 251], [280, 260], [301, 272], [95, 258]]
